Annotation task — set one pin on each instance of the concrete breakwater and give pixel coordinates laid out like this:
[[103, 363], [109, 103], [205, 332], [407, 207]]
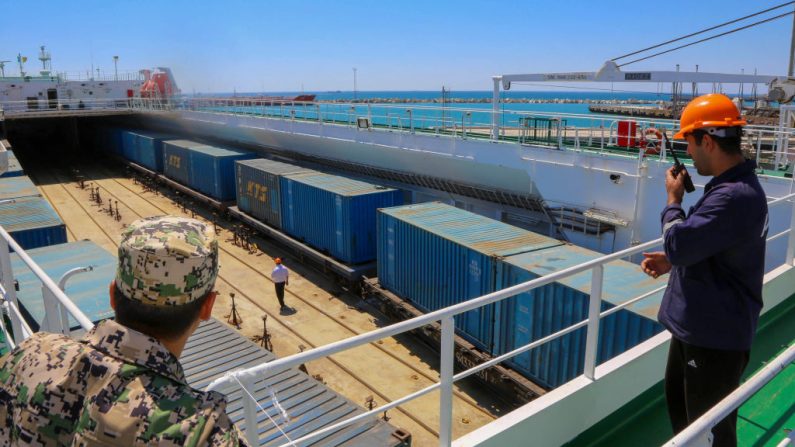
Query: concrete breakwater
[[488, 101]]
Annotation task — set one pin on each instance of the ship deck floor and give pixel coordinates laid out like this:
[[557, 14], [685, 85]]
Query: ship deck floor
[[321, 311], [764, 420]]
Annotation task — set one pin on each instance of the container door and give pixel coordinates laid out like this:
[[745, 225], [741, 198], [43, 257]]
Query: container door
[[389, 246], [287, 207], [477, 322], [339, 225]]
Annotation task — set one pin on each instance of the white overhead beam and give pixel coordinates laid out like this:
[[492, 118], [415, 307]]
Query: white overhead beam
[[610, 72]]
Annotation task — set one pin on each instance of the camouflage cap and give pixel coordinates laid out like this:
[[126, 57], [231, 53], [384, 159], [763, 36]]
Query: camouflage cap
[[167, 260]]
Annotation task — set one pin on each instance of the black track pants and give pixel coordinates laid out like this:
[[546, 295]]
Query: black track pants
[[696, 379], [280, 293]]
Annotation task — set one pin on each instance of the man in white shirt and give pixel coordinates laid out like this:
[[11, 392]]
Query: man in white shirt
[[281, 277]]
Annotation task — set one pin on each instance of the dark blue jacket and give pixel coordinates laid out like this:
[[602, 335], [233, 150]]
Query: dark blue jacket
[[714, 293]]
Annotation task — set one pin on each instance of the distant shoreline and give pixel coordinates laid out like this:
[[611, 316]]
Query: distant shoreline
[[488, 101]]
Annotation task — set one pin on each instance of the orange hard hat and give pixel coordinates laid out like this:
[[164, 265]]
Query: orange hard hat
[[713, 110], [278, 260]]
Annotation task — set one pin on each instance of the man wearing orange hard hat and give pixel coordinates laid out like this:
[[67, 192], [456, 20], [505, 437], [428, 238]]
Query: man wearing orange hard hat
[[715, 254]]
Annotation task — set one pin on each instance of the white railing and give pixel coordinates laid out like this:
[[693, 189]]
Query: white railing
[[103, 76], [43, 105], [246, 378], [592, 132], [698, 433], [57, 305]]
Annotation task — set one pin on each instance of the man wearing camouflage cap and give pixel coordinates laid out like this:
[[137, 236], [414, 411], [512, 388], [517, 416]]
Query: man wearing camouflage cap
[[122, 383]]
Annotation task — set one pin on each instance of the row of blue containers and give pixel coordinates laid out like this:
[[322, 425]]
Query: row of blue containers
[[436, 255], [207, 169], [27, 216], [331, 213], [144, 148]]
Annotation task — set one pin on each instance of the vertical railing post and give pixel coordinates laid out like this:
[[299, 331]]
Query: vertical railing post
[[594, 307], [249, 411], [446, 380], [495, 108], [8, 285], [791, 238], [52, 315]]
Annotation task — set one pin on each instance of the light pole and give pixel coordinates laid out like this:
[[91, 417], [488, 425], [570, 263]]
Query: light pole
[[354, 83], [116, 68]]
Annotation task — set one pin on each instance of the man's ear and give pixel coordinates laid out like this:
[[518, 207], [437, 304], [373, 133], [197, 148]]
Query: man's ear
[[207, 308], [112, 294]]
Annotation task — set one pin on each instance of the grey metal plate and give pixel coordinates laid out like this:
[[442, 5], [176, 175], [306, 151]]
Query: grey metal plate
[[216, 348]]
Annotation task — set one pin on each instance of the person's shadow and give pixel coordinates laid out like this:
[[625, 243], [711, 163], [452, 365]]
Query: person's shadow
[[287, 310]]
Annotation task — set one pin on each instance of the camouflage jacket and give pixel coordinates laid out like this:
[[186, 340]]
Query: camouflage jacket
[[116, 386]]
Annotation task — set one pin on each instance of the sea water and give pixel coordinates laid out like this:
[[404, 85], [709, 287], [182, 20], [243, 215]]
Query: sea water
[[572, 105]]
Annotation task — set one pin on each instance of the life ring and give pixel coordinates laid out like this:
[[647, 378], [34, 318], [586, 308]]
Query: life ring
[[652, 146]]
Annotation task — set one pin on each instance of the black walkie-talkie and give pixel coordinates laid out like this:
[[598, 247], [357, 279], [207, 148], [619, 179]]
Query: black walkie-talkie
[[679, 167]]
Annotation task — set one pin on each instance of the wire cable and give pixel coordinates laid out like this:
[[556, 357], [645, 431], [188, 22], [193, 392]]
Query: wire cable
[[702, 31], [709, 38]]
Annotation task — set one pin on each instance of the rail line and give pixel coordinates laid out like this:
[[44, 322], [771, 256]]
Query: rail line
[[102, 183]]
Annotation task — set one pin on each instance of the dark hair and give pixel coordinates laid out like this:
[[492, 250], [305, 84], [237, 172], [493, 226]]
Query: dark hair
[[729, 144], [160, 322]]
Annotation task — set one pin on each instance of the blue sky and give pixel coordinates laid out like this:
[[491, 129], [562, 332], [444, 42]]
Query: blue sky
[[217, 46]]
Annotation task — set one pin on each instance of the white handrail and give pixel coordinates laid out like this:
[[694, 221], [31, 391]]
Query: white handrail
[[59, 294], [696, 431], [248, 376], [422, 320]]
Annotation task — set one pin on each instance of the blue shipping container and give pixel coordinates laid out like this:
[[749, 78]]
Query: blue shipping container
[[542, 311], [17, 187], [212, 170], [88, 290], [14, 168], [436, 255], [259, 190], [32, 222], [335, 214], [128, 145], [108, 139], [149, 149], [176, 160]]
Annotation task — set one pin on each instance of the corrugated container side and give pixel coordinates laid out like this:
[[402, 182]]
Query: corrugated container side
[[16, 187], [535, 314], [176, 160], [32, 222], [212, 170], [14, 168], [334, 214], [435, 255], [150, 149], [88, 290], [129, 145], [432, 272], [259, 190]]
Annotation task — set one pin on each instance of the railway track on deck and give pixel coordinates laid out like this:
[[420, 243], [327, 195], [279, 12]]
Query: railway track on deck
[[108, 184]]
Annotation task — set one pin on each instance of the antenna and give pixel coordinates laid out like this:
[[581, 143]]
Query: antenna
[[46, 64], [21, 60]]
